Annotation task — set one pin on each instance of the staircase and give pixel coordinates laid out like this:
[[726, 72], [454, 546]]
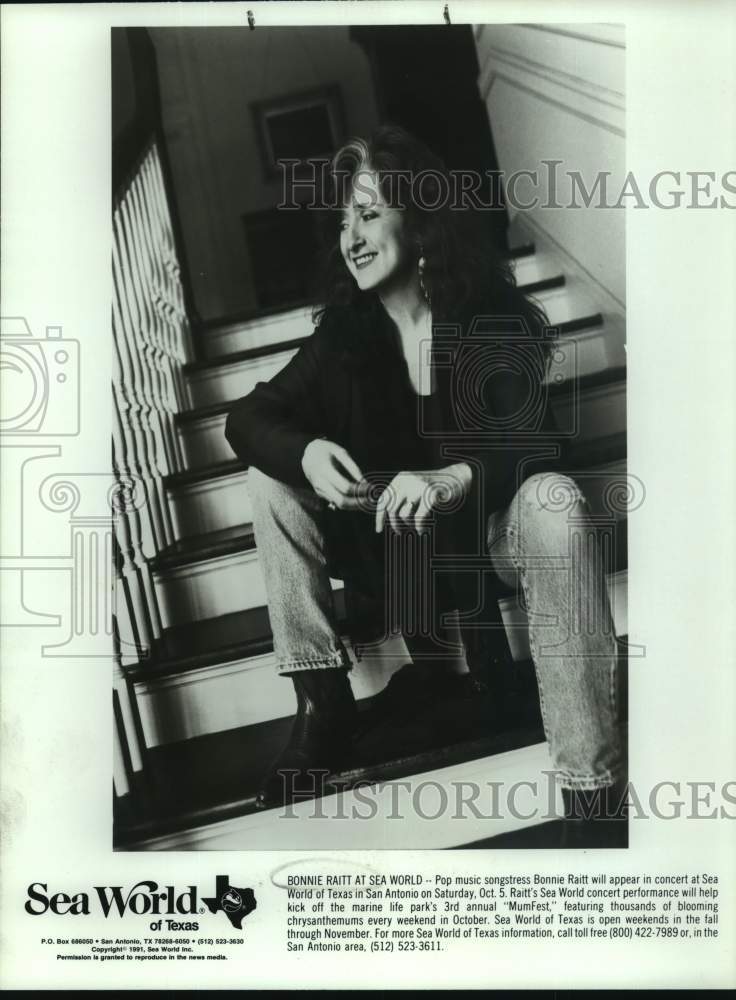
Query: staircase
[[200, 709]]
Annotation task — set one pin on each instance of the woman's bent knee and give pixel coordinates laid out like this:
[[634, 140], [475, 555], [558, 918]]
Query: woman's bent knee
[[266, 488], [549, 493], [547, 505], [259, 483], [271, 495]]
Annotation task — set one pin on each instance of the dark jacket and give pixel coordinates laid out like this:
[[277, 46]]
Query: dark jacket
[[349, 383]]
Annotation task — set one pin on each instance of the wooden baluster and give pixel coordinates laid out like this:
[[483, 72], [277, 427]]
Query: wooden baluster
[[134, 385], [168, 313], [152, 343], [171, 290], [134, 452], [135, 420], [154, 327], [145, 344], [129, 601], [129, 517], [169, 253], [128, 749]]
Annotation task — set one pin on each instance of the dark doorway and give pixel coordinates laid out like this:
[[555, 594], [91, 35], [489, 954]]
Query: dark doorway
[[426, 79]]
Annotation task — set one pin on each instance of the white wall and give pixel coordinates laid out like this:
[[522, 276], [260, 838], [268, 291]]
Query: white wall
[[208, 78], [557, 92]]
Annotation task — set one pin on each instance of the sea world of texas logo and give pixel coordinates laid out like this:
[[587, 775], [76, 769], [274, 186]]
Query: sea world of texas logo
[[146, 898], [235, 903]]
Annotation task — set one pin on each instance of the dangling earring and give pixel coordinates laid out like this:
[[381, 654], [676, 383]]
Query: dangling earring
[[421, 264]]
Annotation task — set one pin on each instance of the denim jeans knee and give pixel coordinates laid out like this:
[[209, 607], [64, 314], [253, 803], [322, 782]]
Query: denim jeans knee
[[545, 543], [292, 556]]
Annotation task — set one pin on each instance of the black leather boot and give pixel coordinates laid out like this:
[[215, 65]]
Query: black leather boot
[[321, 737], [411, 690], [595, 818]]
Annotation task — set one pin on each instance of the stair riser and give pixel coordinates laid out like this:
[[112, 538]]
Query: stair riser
[[587, 353], [249, 691], [236, 379], [600, 412], [220, 503], [260, 332], [528, 270], [204, 442], [244, 693], [561, 305], [579, 354], [593, 414], [210, 588]]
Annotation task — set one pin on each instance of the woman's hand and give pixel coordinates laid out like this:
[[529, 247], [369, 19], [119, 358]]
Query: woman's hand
[[332, 473], [411, 497]]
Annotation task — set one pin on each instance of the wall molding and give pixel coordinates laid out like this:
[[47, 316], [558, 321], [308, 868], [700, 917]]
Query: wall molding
[[581, 35], [582, 105], [578, 84], [563, 105]]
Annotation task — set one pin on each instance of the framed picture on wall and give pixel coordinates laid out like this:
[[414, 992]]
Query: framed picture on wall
[[301, 126]]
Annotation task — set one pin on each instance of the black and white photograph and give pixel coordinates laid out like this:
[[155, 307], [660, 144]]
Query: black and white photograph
[[370, 377]]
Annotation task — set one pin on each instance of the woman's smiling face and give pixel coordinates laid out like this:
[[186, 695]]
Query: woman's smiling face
[[372, 235]]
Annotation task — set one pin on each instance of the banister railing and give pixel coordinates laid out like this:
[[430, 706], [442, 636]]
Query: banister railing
[[151, 344]]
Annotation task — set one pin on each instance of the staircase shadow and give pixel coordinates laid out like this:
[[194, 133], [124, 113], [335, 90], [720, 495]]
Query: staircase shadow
[[215, 777]]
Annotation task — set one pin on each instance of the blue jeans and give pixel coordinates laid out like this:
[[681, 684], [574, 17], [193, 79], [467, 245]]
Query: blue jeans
[[543, 542]]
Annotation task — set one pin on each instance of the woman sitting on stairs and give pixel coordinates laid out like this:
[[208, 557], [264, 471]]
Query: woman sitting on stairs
[[412, 430]]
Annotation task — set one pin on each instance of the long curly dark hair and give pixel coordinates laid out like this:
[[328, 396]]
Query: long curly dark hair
[[463, 271]]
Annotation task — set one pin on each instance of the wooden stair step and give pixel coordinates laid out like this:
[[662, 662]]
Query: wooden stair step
[[607, 376], [193, 645], [192, 477], [202, 548], [212, 545], [198, 413], [240, 539], [217, 522], [203, 431], [195, 790], [215, 777], [213, 572], [597, 345], [240, 635], [525, 249], [543, 285], [265, 350], [216, 669], [533, 267], [249, 354], [257, 328], [606, 450], [222, 407]]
